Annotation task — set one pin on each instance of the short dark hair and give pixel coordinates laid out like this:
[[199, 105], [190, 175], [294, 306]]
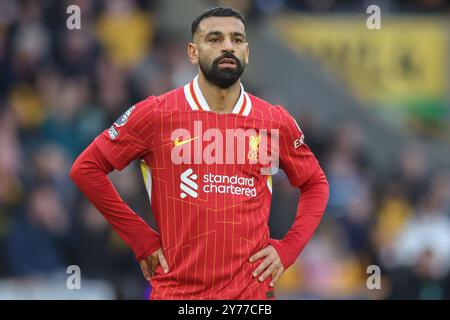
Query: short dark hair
[[216, 12]]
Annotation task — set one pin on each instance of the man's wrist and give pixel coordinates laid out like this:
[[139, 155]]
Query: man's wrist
[[278, 245], [151, 246]]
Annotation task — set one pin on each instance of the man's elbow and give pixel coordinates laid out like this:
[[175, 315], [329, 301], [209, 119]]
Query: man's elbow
[[317, 184], [75, 172], [324, 182]]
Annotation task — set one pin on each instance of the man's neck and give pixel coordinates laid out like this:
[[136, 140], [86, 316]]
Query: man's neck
[[219, 100]]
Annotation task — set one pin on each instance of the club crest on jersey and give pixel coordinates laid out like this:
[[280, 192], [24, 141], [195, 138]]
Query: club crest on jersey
[[124, 117], [253, 146]]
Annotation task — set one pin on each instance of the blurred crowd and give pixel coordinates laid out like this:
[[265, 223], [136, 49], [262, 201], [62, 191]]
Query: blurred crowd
[[60, 88]]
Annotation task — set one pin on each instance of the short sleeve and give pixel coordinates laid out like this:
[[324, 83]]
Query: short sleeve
[[129, 138], [296, 159]]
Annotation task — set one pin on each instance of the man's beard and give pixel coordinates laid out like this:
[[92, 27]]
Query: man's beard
[[222, 77]]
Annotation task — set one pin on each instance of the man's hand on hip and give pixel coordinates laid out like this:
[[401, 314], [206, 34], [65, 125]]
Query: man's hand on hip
[[150, 263], [271, 265]]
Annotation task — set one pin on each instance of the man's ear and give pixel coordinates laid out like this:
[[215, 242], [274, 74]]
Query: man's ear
[[247, 49], [193, 52]]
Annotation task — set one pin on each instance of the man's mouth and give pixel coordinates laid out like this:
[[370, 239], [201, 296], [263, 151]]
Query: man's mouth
[[227, 62]]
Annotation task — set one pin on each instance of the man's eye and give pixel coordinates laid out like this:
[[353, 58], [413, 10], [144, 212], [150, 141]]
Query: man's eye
[[214, 40], [238, 40]]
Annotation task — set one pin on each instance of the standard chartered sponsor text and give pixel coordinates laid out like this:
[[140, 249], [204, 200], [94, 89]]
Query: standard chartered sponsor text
[[229, 185]]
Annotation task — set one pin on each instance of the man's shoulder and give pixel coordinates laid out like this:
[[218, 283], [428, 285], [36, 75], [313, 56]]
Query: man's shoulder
[[261, 106], [170, 100], [165, 102]]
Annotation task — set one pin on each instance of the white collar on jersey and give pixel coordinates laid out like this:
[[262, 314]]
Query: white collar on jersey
[[197, 101]]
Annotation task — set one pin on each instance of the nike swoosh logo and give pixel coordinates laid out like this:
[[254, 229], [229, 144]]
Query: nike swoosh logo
[[179, 142]]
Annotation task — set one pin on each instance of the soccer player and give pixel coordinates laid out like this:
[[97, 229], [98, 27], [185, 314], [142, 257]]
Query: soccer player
[[202, 152]]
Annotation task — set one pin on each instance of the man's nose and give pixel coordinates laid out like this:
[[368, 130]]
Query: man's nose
[[228, 45]]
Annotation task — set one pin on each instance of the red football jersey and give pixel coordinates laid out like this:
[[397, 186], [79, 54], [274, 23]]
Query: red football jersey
[[207, 186]]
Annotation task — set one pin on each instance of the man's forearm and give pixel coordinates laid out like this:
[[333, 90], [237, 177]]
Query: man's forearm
[[310, 209], [89, 172]]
